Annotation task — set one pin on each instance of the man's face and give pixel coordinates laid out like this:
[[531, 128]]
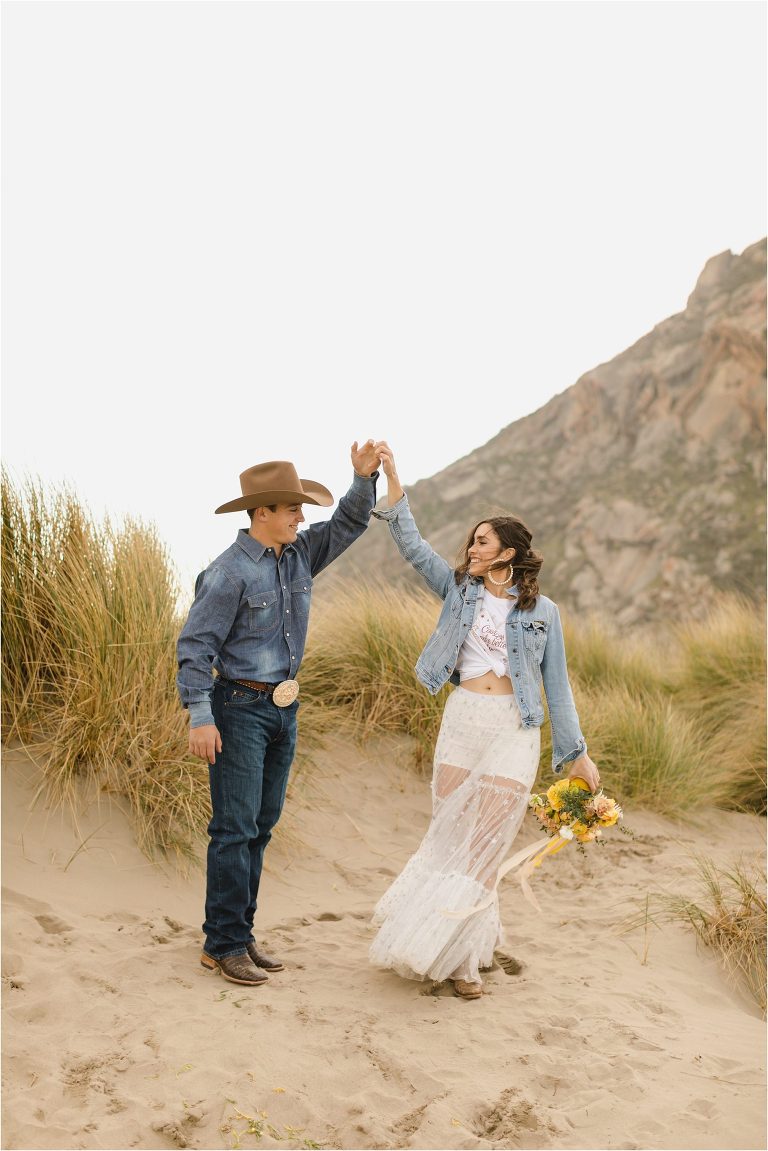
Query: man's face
[[280, 527]]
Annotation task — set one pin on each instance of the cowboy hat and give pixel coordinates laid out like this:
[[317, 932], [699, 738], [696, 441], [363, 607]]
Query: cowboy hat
[[276, 482]]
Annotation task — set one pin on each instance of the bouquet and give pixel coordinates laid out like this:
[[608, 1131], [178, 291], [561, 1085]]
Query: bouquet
[[569, 809]]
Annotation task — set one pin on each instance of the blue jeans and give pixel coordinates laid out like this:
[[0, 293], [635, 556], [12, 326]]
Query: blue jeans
[[248, 785]]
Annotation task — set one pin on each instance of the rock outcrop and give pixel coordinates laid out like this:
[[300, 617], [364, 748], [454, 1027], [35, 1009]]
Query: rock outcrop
[[644, 482]]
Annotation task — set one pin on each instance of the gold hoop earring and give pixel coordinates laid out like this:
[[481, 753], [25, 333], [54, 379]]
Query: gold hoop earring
[[501, 582]]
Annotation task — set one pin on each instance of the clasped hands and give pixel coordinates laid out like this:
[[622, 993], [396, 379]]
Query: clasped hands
[[366, 459]]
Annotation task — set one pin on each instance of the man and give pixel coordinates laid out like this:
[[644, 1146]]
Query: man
[[248, 622]]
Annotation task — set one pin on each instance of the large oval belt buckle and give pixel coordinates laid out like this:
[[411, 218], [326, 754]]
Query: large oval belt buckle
[[285, 693]]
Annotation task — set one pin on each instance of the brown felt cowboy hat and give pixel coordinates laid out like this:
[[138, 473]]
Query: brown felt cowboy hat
[[276, 482]]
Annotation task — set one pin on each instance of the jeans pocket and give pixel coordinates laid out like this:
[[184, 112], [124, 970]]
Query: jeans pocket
[[240, 697]]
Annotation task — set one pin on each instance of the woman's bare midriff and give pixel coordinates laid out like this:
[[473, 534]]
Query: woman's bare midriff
[[489, 684]]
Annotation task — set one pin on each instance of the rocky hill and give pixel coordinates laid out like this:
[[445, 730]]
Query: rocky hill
[[644, 482]]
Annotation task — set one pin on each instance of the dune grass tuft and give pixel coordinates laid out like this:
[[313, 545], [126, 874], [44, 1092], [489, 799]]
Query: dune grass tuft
[[719, 682], [88, 663], [358, 667], [728, 915], [647, 752], [601, 658]]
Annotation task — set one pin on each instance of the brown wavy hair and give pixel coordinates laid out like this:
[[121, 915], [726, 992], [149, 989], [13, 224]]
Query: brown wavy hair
[[512, 533]]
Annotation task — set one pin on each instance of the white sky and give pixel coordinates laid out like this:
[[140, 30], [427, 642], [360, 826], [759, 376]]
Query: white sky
[[235, 232]]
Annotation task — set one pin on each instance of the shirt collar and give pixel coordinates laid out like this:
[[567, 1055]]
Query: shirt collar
[[252, 547]]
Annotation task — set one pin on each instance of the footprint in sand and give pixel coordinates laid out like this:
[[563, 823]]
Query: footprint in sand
[[508, 964], [559, 1037], [123, 918], [512, 1120], [95, 1075], [179, 1131], [407, 1125], [702, 1109], [291, 924], [52, 925], [161, 929]]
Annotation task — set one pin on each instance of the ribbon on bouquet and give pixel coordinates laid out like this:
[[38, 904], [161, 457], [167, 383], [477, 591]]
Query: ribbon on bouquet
[[526, 860]]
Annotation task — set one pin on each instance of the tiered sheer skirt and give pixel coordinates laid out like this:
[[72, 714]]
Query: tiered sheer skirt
[[484, 767]]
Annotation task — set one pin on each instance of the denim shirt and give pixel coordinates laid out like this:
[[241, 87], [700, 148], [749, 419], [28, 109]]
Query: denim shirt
[[535, 644], [250, 613]]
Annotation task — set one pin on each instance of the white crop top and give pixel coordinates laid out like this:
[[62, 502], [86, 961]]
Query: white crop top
[[485, 646]]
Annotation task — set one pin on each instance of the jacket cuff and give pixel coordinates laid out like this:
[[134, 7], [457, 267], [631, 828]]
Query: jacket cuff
[[558, 766], [387, 513]]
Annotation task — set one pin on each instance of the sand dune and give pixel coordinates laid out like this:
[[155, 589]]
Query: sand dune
[[115, 1037]]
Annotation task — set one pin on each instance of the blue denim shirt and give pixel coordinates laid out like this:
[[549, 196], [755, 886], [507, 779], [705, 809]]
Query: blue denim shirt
[[535, 644], [250, 614]]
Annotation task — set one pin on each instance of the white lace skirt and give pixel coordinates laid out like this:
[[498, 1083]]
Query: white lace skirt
[[484, 768]]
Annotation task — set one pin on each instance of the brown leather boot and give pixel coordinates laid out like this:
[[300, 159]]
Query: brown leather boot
[[235, 968], [466, 989], [261, 959]]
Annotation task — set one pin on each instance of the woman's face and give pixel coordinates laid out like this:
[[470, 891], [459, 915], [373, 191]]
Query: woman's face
[[486, 550]]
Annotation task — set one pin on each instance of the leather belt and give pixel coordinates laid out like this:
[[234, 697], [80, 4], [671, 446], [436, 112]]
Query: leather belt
[[282, 694], [256, 685]]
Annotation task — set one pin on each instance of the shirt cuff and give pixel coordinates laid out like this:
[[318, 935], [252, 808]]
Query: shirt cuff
[[200, 714]]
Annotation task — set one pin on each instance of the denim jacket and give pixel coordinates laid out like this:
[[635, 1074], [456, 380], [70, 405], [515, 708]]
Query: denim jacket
[[251, 610], [535, 644]]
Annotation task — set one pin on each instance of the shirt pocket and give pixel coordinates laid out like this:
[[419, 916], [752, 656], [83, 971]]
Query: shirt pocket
[[535, 635], [263, 612], [301, 591]]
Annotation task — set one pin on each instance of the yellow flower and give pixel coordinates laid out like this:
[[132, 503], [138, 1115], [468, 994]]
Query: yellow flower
[[579, 784], [557, 791], [610, 819], [553, 795]]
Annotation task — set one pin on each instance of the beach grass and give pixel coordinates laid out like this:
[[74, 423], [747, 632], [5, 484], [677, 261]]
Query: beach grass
[[358, 667], [727, 914], [89, 631], [90, 623], [719, 683]]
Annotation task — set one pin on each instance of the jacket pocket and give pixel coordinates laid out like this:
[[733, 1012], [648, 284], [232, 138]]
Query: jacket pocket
[[535, 635]]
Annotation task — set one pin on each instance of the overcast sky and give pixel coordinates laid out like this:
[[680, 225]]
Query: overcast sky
[[236, 232]]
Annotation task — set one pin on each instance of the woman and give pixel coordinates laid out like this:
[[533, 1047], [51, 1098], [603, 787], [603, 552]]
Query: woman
[[496, 637]]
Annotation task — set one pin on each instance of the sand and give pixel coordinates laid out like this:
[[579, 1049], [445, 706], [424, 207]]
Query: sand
[[115, 1037]]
